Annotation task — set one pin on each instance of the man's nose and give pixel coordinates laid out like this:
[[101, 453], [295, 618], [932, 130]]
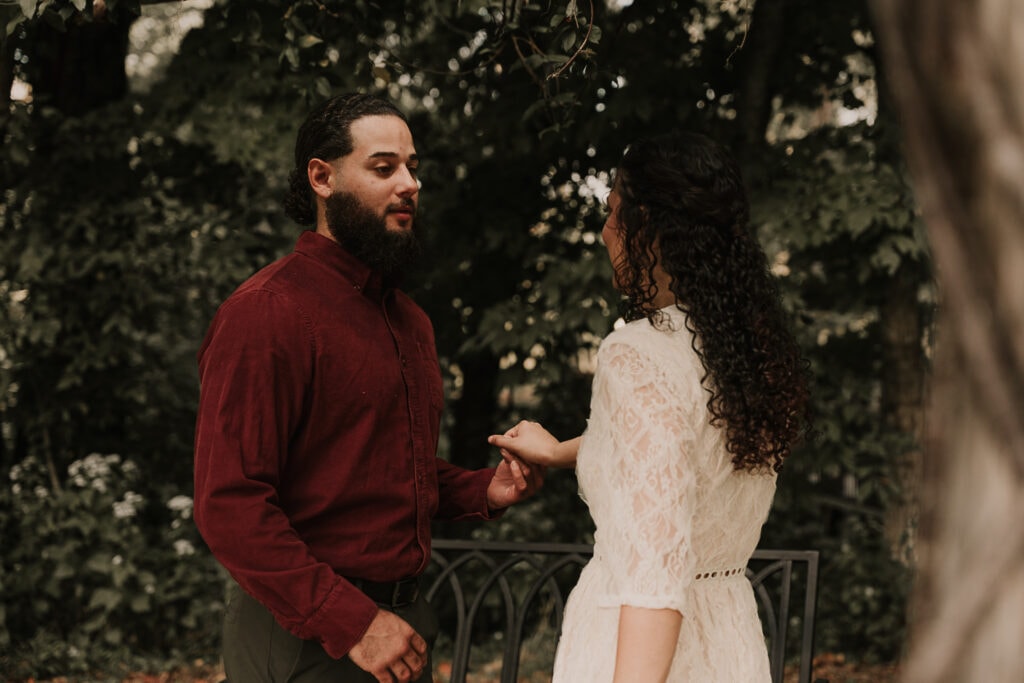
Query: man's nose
[[407, 183]]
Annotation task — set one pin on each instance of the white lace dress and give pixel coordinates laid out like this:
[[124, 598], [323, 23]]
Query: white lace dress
[[675, 523]]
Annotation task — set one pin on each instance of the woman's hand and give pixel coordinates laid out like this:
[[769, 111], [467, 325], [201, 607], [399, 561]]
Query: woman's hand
[[532, 443]]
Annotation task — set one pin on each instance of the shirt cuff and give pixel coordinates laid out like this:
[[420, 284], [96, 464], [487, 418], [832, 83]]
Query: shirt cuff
[[488, 514], [341, 620]]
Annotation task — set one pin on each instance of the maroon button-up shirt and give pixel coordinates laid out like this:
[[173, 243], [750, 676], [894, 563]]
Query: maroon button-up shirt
[[315, 444]]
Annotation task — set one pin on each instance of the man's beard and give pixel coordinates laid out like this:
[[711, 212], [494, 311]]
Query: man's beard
[[365, 235]]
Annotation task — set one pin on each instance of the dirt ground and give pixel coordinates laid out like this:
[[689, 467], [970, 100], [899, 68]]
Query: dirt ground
[[835, 669], [831, 668]]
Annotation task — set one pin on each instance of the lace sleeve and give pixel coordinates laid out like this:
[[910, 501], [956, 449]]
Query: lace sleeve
[[651, 481]]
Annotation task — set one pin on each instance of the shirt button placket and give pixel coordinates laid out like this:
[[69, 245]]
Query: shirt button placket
[[416, 431]]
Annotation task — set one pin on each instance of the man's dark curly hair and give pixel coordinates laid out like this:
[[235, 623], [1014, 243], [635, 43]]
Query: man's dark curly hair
[[325, 134], [682, 196]]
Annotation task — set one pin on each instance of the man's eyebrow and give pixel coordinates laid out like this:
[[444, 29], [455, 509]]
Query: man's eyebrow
[[391, 155]]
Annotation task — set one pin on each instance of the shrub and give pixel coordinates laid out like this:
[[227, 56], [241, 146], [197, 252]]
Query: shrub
[[101, 572]]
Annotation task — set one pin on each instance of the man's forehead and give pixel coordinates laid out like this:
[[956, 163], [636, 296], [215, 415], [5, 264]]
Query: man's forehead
[[381, 136]]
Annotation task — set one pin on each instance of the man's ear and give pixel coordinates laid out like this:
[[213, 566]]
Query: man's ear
[[321, 177]]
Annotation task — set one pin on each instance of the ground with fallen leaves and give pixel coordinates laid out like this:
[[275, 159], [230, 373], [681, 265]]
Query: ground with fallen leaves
[[830, 667]]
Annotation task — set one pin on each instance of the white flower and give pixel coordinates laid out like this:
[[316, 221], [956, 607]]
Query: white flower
[[179, 503], [95, 465], [128, 506], [123, 510], [184, 547], [16, 488], [116, 560], [41, 492], [182, 505]]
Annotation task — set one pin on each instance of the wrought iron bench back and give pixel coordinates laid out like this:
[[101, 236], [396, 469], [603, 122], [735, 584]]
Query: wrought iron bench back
[[512, 595]]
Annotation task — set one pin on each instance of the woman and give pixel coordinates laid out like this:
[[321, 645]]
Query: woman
[[696, 402]]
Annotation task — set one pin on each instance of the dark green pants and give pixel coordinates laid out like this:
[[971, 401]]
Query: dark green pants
[[258, 650]]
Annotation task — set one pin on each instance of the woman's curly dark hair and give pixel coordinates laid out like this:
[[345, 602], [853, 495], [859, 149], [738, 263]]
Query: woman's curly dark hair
[[682, 197]]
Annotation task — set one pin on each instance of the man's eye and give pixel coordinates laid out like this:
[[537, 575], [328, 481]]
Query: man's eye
[[383, 170]]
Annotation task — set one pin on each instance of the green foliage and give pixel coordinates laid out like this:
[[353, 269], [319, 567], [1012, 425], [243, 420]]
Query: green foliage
[[119, 238], [100, 560], [59, 13], [115, 292]]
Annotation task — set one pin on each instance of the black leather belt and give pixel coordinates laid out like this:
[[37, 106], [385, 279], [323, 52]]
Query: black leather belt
[[390, 593]]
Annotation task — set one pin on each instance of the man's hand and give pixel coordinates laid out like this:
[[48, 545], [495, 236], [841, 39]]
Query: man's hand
[[390, 647], [513, 481]]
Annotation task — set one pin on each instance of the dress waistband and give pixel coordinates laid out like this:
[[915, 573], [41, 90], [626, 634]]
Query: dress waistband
[[703, 575], [719, 573]]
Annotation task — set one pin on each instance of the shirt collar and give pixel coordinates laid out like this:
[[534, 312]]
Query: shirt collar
[[335, 257]]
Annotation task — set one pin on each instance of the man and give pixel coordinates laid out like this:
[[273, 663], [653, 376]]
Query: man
[[315, 469]]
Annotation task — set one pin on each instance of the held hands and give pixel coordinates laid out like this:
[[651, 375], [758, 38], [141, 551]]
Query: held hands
[[390, 647], [514, 480], [530, 442]]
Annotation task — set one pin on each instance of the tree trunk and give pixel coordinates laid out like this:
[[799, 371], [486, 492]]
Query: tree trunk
[[82, 67], [760, 57], [956, 68], [474, 412], [903, 380], [6, 73]]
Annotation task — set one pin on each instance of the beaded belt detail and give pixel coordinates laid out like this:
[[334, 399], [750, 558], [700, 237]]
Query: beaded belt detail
[[719, 573]]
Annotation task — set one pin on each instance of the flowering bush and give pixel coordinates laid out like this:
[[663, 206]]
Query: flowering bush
[[100, 571]]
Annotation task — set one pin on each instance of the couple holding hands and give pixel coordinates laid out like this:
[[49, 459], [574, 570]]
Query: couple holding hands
[[315, 462]]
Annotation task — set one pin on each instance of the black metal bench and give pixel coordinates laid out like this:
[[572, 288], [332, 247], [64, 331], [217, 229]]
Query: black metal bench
[[499, 599]]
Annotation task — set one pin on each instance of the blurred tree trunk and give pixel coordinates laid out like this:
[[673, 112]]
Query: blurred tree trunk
[[956, 69]]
